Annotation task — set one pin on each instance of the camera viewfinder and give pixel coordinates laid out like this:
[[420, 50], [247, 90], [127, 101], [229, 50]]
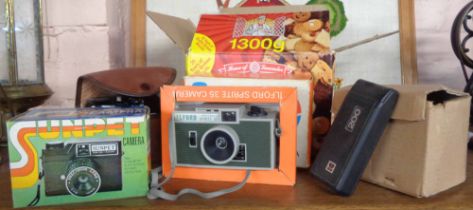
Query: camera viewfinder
[[228, 116]]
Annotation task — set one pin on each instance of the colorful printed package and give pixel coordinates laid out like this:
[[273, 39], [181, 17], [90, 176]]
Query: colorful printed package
[[60, 156], [273, 45]]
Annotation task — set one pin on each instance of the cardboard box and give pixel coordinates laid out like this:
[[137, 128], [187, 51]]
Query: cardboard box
[[262, 42], [304, 105], [61, 156], [285, 97], [423, 150]]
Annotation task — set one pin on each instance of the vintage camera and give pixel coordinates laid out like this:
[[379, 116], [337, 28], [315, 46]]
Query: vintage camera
[[232, 136], [82, 168]]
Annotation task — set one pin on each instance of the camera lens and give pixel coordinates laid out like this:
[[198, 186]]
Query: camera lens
[[82, 179], [219, 145]]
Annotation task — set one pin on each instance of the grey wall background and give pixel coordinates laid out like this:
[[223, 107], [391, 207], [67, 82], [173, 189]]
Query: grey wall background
[[435, 59]]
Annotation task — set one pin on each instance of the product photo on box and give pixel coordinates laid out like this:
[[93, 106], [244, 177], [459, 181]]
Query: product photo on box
[[60, 156]]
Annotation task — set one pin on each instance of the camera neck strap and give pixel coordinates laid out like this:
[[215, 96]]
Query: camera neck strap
[[156, 191]]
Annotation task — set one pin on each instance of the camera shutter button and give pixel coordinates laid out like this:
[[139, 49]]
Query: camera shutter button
[[256, 111]]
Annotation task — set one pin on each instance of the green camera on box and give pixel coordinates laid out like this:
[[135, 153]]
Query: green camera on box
[[232, 136], [60, 156], [83, 167]]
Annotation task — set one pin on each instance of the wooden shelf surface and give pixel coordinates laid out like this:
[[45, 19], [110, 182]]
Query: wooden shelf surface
[[306, 194]]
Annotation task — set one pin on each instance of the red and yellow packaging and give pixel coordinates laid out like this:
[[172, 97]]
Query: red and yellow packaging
[[285, 97], [262, 45]]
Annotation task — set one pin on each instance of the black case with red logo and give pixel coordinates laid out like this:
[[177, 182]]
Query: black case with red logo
[[356, 130]]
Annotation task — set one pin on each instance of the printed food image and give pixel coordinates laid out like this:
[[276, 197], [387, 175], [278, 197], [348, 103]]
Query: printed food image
[[299, 19], [305, 62], [321, 72], [305, 33], [265, 45], [322, 76], [307, 38]]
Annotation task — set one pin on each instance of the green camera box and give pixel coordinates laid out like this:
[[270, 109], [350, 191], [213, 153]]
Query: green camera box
[[60, 156]]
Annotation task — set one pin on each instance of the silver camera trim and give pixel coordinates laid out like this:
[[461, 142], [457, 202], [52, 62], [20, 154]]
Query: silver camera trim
[[234, 137]]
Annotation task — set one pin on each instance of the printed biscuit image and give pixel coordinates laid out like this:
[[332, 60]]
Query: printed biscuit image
[[322, 76], [305, 46], [306, 34], [323, 39], [299, 19], [310, 29], [290, 44], [305, 62], [301, 16], [319, 44], [321, 72]]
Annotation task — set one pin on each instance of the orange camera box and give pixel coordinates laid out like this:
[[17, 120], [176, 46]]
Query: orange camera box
[[282, 172]]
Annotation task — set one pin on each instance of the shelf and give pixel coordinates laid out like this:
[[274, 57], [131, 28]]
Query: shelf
[[306, 194]]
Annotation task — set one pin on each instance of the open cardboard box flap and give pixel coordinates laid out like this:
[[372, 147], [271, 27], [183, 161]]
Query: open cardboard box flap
[[411, 105], [181, 31]]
